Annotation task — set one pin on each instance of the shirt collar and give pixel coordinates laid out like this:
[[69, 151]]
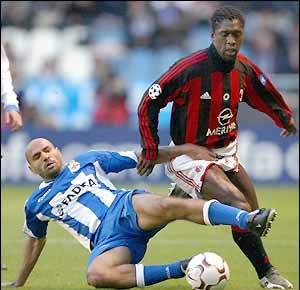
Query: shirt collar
[[45, 183], [217, 62]]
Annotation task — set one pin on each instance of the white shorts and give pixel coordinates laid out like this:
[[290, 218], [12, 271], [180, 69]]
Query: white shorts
[[189, 174]]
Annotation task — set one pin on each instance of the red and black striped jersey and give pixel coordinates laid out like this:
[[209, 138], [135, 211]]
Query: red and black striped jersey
[[206, 92]]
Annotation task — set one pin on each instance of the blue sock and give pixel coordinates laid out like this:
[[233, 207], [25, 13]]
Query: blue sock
[[219, 213], [156, 274]]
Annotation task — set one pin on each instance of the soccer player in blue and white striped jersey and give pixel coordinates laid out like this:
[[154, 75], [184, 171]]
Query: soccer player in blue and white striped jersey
[[115, 225]]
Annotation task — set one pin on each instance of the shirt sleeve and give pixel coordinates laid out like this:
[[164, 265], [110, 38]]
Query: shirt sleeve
[[33, 226], [262, 95], [8, 96], [157, 96], [116, 161]]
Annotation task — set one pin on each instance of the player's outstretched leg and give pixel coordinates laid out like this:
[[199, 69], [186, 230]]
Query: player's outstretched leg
[[112, 269], [251, 244], [154, 211]]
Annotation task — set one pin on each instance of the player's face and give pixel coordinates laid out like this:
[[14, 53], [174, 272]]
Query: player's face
[[228, 38], [45, 159]]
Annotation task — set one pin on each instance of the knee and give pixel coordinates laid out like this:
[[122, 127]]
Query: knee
[[242, 204], [165, 207], [237, 199], [97, 279], [229, 194], [234, 197]]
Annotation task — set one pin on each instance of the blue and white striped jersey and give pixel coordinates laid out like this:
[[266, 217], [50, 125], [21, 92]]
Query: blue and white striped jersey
[[79, 197]]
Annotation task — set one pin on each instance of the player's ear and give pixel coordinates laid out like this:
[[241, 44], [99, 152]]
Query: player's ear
[[31, 169]]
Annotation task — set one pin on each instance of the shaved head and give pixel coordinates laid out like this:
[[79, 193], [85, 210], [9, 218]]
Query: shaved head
[[44, 158], [33, 144]]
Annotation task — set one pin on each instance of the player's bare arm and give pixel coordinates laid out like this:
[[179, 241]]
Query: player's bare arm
[[166, 154], [32, 251]]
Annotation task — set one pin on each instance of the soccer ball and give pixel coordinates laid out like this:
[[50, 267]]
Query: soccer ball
[[207, 271]]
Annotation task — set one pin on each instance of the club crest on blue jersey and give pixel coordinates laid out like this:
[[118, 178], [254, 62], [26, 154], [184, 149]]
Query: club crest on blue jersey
[[73, 166]]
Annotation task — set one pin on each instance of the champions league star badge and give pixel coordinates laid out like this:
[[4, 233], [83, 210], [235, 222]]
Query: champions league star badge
[[263, 79], [73, 166]]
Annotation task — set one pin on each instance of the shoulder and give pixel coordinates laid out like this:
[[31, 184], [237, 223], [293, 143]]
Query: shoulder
[[185, 68], [36, 196], [91, 155], [88, 157], [195, 58], [247, 65], [104, 154]]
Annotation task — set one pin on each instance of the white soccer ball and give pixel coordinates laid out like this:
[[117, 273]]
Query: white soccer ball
[[207, 271]]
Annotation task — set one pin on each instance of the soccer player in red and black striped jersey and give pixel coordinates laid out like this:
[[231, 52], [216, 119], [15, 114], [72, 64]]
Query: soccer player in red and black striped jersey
[[206, 89]]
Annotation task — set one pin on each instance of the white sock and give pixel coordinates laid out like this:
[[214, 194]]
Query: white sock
[[205, 211], [139, 274]]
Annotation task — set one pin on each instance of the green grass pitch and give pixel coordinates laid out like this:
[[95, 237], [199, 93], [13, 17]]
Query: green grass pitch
[[63, 261]]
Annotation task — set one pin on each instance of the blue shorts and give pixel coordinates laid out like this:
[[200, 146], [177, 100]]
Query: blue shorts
[[120, 228]]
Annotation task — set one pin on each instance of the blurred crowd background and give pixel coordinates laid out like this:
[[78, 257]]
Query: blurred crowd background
[[79, 64]]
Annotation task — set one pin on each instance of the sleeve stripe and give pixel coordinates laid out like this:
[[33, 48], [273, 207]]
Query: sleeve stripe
[[279, 100], [261, 105], [193, 109], [145, 129], [266, 97], [182, 66]]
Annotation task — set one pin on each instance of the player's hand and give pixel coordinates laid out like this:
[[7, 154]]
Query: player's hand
[[144, 166], [8, 285], [290, 130], [13, 119], [197, 152]]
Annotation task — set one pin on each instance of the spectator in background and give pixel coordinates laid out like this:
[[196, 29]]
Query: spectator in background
[[30, 113], [141, 24], [263, 46], [293, 48], [32, 116], [172, 24], [57, 97], [111, 107], [147, 33]]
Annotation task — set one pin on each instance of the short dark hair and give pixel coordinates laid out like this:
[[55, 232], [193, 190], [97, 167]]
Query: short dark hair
[[223, 13]]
